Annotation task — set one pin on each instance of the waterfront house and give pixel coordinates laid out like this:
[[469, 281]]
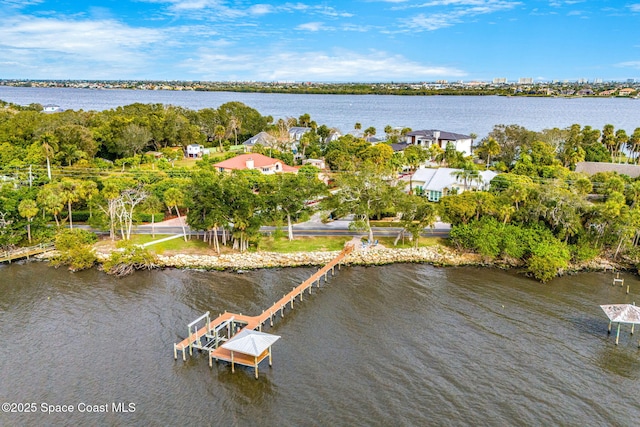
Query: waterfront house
[[266, 165], [427, 138], [434, 183], [51, 108], [627, 91], [195, 151]]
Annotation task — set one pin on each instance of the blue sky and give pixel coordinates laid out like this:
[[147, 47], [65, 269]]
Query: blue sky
[[326, 41]]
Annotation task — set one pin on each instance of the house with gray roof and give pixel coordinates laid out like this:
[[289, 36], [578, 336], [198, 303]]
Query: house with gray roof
[[591, 168], [262, 138], [427, 138], [434, 183]]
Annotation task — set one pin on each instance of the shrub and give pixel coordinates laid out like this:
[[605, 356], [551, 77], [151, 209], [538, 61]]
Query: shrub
[[129, 258], [584, 250], [547, 259], [70, 238], [75, 250]]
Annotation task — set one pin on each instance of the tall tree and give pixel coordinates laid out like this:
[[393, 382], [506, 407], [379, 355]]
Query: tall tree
[[364, 194], [28, 209], [174, 198], [417, 213], [288, 193]]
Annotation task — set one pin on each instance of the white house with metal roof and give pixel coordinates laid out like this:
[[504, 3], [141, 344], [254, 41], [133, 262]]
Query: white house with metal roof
[[435, 183], [296, 132]]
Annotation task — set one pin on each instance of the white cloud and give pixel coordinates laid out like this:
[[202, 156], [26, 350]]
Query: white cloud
[[432, 22], [634, 7], [20, 3], [261, 9], [629, 64], [493, 4], [310, 26], [316, 66], [462, 9], [66, 46]]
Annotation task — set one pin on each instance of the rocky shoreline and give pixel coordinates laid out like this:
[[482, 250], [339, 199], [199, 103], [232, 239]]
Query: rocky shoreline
[[435, 255]]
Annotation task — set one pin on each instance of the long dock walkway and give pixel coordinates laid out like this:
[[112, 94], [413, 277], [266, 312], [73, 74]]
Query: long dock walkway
[[8, 256], [221, 329]]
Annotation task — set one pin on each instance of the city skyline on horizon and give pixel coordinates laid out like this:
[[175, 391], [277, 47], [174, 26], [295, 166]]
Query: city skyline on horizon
[[363, 41]]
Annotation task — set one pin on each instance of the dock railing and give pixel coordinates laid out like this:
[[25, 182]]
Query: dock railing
[[19, 253]]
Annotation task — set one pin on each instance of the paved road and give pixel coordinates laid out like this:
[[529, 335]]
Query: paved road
[[313, 227]]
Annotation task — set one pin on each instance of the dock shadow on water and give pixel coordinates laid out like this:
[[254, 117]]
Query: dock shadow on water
[[391, 345]]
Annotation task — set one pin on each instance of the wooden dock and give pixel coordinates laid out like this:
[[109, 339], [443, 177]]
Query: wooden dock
[[9, 256], [216, 332]]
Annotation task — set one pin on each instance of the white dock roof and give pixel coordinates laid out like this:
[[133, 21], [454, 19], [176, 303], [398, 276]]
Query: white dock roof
[[250, 342], [622, 313]]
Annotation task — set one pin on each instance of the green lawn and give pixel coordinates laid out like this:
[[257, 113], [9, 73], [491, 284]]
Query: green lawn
[[424, 242], [174, 245], [302, 244], [271, 244]]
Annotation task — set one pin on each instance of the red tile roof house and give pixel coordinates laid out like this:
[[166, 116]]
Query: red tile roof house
[[264, 164]]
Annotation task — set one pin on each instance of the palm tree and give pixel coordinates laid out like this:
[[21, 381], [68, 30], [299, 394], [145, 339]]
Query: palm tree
[[28, 209], [634, 143], [49, 146], [468, 174], [219, 133], [490, 147], [235, 124], [174, 198], [621, 141], [609, 139]]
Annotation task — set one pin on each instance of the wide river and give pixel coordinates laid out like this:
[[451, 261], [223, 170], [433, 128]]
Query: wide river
[[461, 114], [410, 345]]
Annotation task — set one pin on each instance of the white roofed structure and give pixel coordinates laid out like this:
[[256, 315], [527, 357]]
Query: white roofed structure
[[622, 313], [250, 342]]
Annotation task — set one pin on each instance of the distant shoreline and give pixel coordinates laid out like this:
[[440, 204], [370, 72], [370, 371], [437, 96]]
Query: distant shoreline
[[529, 89]]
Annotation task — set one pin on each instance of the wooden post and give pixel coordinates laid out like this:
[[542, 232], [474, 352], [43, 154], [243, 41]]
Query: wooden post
[[325, 277], [627, 289], [175, 352], [333, 272], [609, 330], [271, 364], [255, 363], [618, 334], [233, 366], [210, 359], [292, 302], [184, 355], [271, 316], [633, 325]]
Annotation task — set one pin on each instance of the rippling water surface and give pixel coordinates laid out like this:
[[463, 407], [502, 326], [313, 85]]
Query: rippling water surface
[[461, 114], [392, 345]]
